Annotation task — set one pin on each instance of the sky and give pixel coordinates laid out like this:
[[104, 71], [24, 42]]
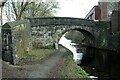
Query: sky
[[75, 8]]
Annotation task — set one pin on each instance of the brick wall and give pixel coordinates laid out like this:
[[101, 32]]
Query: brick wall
[[94, 14]]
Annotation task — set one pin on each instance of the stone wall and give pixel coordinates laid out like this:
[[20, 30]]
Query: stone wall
[[48, 30], [45, 36], [16, 40]]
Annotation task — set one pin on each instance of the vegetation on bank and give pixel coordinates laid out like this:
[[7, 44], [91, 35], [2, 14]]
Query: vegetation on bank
[[71, 70], [36, 54], [41, 53]]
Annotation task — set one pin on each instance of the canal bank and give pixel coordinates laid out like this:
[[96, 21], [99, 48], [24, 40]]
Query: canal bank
[[66, 68]]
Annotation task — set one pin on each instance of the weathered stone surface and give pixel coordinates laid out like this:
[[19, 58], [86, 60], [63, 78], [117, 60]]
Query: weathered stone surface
[[48, 30]]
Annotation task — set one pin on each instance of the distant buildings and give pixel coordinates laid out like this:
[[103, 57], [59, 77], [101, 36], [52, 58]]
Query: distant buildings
[[94, 14], [103, 10], [107, 10]]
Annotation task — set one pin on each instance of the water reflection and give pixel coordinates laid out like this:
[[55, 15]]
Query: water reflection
[[102, 63]]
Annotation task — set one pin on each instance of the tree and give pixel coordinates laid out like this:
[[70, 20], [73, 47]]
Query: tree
[[33, 9], [42, 8], [19, 8], [75, 36], [78, 38]]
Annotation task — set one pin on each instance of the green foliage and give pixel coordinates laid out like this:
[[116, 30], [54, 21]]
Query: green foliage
[[36, 54], [71, 70], [41, 53], [39, 45], [117, 33], [75, 36], [22, 40], [103, 44]]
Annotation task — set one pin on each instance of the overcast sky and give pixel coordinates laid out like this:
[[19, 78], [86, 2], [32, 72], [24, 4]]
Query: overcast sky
[[75, 8]]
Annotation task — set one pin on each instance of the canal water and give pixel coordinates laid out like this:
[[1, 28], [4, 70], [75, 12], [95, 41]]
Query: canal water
[[102, 64]]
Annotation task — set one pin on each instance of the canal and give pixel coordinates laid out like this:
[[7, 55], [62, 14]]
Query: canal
[[102, 64]]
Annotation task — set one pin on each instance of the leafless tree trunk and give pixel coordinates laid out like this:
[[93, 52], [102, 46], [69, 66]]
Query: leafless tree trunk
[[22, 6]]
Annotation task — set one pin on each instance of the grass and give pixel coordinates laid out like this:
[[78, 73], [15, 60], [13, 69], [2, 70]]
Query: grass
[[71, 70], [37, 54], [41, 53]]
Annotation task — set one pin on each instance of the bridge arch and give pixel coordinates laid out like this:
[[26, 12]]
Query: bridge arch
[[77, 48], [88, 40], [55, 25]]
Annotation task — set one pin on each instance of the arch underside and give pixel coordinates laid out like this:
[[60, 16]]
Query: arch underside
[[89, 38]]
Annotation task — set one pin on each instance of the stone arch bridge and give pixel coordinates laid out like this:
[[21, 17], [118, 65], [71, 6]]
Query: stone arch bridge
[[16, 36], [49, 30]]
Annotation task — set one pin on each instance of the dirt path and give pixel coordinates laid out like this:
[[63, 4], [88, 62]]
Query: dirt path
[[38, 70]]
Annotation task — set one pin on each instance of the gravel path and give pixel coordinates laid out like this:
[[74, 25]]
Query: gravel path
[[42, 70], [38, 70]]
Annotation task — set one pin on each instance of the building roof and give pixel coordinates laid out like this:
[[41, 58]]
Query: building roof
[[91, 11]]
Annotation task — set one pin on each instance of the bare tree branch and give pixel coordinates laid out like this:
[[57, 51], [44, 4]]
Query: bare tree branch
[[33, 9], [14, 8]]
